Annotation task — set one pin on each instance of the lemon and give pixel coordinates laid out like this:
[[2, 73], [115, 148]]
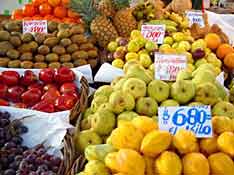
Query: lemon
[[226, 143], [145, 124]]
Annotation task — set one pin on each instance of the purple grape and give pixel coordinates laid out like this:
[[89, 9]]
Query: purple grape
[[41, 151], [55, 161]]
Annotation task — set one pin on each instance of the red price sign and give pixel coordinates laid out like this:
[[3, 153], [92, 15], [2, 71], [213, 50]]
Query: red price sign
[[35, 26], [167, 66], [154, 33]]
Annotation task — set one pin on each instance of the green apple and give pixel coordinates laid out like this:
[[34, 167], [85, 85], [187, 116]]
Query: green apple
[[184, 75], [168, 40], [151, 46], [212, 59], [145, 60], [97, 101], [131, 56], [223, 108], [158, 90], [178, 36], [204, 76], [169, 102], [146, 106], [87, 112], [198, 44], [112, 46]]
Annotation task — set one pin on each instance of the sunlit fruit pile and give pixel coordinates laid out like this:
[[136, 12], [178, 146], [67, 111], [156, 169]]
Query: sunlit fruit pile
[[18, 159], [50, 91], [52, 10], [64, 45]]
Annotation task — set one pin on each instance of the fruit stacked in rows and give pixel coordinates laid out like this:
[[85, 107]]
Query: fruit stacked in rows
[[139, 148], [16, 159], [64, 45], [52, 10], [51, 91]]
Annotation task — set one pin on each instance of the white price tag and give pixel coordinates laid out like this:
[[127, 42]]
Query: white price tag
[[35, 26], [155, 33], [167, 66], [196, 119], [195, 17]]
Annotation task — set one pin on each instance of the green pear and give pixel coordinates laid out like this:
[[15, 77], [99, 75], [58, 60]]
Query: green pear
[[184, 75], [204, 76], [96, 167], [221, 90], [139, 72], [105, 106], [200, 62], [105, 90], [98, 101], [87, 112], [146, 106], [98, 152], [207, 93], [129, 64], [169, 102], [118, 84], [121, 101], [85, 138], [223, 108], [183, 91], [127, 116], [86, 122], [204, 67], [103, 122], [192, 104], [158, 90], [136, 87]]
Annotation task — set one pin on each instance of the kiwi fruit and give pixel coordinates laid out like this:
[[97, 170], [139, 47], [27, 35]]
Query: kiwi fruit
[[25, 48], [26, 56], [68, 64], [52, 26], [16, 34], [13, 26], [92, 53], [64, 34], [78, 29], [14, 64], [65, 58], [4, 35], [27, 37], [40, 65], [80, 55], [4, 47], [39, 58], [86, 46], [4, 61], [54, 65], [79, 39], [40, 37], [93, 63], [51, 42], [43, 50], [65, 42], [26, 64], [52, 57], [72, 48], [59, 50], [80, 62], [15, 41], [33, 45], [63, 26], [13, 54]]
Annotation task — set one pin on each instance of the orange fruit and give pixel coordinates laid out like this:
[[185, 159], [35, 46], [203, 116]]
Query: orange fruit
[[72, 14], [229, 60], [60, 12], [223, 50], [45, 9], [213, 41], [54, 3], [37, 3], [65, 2], [17, 14]]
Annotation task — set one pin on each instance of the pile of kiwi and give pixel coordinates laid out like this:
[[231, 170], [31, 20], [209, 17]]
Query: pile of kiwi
[[63, 45]]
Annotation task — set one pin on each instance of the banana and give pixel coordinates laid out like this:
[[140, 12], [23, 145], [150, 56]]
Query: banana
[[164, 21], [171, 28]]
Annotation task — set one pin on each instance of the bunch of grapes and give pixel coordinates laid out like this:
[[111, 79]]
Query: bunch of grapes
[[16, 159]]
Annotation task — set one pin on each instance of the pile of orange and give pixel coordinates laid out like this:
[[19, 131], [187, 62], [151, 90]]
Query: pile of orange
[[224, 51], [52, 10]]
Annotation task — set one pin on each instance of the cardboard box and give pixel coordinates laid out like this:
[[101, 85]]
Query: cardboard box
[[7, 6]]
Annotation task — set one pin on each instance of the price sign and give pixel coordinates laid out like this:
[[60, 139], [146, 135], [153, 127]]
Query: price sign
[[155, 33], [167, 66], [196, 119], [35, 26], [195, 17]]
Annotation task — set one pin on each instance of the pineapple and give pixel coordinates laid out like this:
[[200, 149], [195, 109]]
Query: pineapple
[[101, 27], [106, 8]]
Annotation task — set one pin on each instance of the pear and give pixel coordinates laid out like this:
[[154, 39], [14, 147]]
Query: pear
[[139, 72], [121, 101], [169, 102], [105, 90], [85, 138], [158, 90], [87, 112], [204, 76], [103, 122], [207, 93], [184, 75], [183, 91], [200, 62], [86, 122], [204, 67], [98, 152], [221, 90], [127, 116], [136, 87], [117, 85], [96, 167], [105, 106], [98, 101], [223, 108], [146, 106]]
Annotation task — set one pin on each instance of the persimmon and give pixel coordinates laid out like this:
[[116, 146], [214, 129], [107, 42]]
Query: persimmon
[[69, 20], [213, 41], [45, 9], [72, 14], [229, 60], [29, 10], [223, 50], [65, 2], [49, 17], [17, 14], [37, 3], [60, 12], [54, 3]]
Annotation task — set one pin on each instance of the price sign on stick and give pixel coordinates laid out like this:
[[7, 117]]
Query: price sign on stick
[[196, 119], [195, 17], [35, 26], [167, 66], [155, 33]]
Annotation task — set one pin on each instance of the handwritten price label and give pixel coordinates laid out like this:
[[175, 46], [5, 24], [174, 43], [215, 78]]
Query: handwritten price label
[[196, 119], [167, 66], [195, 17], [35, 26], [155, 33]]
